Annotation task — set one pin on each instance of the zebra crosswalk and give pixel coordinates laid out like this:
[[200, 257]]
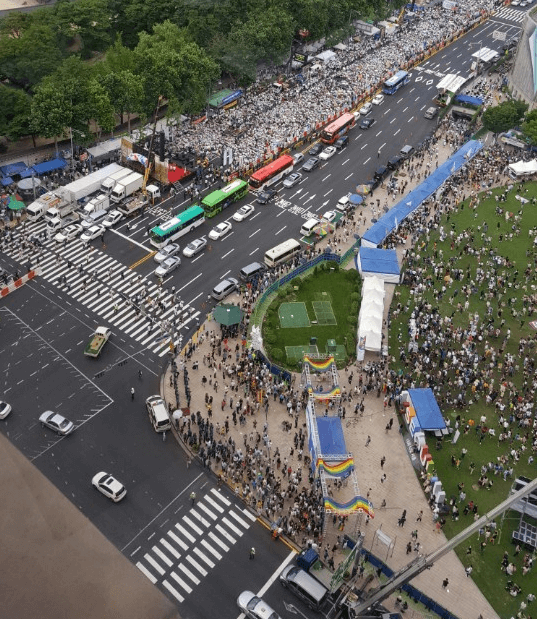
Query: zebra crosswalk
[[191, 547], [122, 298], [510, 14]]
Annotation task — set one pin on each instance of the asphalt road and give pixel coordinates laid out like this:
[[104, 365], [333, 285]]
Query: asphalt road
[[45, 327]]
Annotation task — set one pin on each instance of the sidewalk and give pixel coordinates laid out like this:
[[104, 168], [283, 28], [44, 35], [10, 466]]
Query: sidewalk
[[401, 489]]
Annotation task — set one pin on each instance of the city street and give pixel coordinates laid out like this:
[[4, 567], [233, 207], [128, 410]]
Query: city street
[[198, 553]]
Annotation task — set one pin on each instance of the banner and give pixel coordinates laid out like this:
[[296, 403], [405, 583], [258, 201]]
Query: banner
[[361, 349]]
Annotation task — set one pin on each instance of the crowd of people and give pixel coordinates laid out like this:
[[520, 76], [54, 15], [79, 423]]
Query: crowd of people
[[266, 119]]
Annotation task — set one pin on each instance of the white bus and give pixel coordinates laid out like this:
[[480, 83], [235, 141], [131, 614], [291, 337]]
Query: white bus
[[282, 252], [177, 226]]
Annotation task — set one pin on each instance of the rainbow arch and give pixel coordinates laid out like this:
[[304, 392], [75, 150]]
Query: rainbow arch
[[319, 365], [340, 469], [357, 504]]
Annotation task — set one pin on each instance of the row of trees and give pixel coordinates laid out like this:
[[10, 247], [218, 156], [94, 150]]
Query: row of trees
[[82, 64]]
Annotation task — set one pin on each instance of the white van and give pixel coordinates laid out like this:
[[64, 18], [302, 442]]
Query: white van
[[308, 226], [158, 413]]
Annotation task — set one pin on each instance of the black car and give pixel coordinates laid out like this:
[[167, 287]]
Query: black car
[[315, 149], [311, 164], [394, 162], [266, 196], [342, 142], [367, 123], [373, 183], [381, 172]]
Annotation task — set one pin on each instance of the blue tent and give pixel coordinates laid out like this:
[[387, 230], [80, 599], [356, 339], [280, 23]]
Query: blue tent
[[380, 262], [427, 410], [7, 181], [389, 222], [477, 101], [49, 166], [12, 169], [356, 199]]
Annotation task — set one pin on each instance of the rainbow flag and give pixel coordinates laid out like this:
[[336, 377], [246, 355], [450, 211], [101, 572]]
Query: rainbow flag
[[324, 395], [339, 469], [357, 504], [319, 364]]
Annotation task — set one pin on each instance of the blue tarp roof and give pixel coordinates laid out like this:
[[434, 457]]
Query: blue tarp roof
[[49, 166], [389, 222], [373, 260], [331, 436], [7, 181], [427, 410], [477, 101], [11, 169]]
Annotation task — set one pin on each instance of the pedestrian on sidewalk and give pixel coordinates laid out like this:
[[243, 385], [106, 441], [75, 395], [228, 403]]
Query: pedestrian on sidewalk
[[420, 515], [382, 461], [445, 583], [368, 440]]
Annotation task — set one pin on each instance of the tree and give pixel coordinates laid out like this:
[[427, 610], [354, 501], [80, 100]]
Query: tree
[[125, 91], [529, 128], [15, 108], [174, 67], [504, 116]]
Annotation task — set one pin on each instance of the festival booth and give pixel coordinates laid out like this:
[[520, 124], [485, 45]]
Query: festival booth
[[46, 167], [370, 317], [330, 458], [326, 57], [522, 168], [380, 263], [388, 223]]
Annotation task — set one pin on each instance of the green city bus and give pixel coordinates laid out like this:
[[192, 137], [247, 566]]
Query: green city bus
[[176, 227], [220, 199]]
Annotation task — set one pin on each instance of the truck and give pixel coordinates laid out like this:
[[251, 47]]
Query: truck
[[133, 204], [100, 203], [66, 198], [110, 182], [57, 223], [127, 187], [97, 342]]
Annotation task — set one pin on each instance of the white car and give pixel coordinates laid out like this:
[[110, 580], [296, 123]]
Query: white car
[[244, 212], [220, 231], [109, 486], [5, 409], [166, 252], [68, 233], [329, 216], [112, 218], [366, 108], [195, 247], [328, 152], [254, 607], [167, 266], [57, 423], [92, 233], [377, 99]]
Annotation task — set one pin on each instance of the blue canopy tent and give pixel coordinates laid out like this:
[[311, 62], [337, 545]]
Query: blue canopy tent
[[356, 199], [49, 166], [389, 222], [12, 169], [7, 181], [427, 410], [382, 263]]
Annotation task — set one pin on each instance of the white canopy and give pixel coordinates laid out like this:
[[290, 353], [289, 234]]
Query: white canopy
[[522, 168], [451, 83], [371, 313]]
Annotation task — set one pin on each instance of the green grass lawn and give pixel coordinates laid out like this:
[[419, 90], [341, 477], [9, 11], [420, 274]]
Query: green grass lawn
[[509, 248], [343, 288]]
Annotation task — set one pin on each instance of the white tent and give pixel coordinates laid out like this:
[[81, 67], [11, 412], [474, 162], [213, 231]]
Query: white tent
[[524, 168], [371, 313], [326, 56]]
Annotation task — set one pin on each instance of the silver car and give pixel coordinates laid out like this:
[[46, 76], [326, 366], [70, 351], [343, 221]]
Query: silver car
[[194, 247], [167, 252], [57, 423], [167, 266], [292, 179], [254, 607]]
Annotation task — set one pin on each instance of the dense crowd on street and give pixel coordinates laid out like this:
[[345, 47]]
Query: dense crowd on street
[[267, 119]]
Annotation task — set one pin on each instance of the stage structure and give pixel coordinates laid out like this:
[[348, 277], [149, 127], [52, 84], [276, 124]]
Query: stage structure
[[330, 460]]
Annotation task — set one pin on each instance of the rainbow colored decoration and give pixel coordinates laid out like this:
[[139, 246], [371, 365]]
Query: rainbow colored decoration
[[320, 365], [357, 504], [324, 395], [339, 469]]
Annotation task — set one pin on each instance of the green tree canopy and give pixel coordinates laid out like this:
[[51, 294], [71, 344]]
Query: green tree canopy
[[15, 108], [504, 116], [529, 128]]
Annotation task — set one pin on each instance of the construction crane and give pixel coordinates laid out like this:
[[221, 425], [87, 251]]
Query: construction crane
[[364, 607], [150, 153]]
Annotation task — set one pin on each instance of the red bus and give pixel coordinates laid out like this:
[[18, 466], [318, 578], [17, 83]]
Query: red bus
[[272, 172], [337, 128]]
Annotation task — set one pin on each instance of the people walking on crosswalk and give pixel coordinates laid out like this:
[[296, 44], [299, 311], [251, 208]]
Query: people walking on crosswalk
[[193, 497]]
